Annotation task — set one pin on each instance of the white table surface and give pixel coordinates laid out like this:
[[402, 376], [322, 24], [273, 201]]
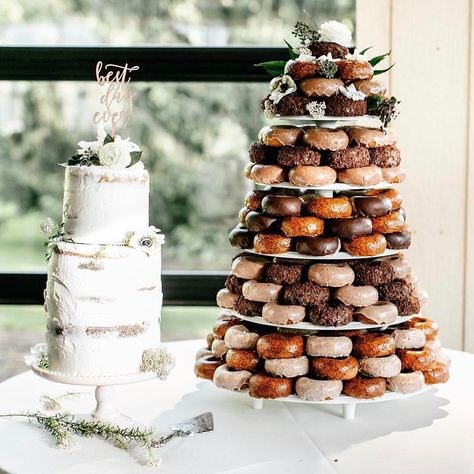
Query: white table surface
[[433, 432]]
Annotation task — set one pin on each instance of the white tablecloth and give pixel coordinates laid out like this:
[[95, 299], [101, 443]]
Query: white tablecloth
[[433, 432]]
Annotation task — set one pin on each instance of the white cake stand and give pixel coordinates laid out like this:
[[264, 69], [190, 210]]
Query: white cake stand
[[104, 393], [328, 190], [335, 256]]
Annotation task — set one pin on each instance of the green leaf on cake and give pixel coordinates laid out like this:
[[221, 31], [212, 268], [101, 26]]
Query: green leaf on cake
[[135, 155], [293, 55], [108, 139], [381, 71], [365, 50], [274, 68], [377, 59]]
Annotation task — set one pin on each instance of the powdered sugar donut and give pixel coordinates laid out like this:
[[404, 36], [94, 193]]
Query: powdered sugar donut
[[240, 337], [316, 390], [328, 346], [231, 380], [287, 367], [262, 292], [409, 338], [283, 314], [358, 296], [388, 366], [406, 382], [331, 274]]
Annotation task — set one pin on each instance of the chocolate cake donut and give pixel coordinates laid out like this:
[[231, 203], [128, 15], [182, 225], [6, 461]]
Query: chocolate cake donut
[[298, 155], [373, 273], [385, 156], [283, 273], [234, 284], [292, 104], [305, 294], [262, 154], [341, 106], [246, 307], [334, 313], [351, 157]]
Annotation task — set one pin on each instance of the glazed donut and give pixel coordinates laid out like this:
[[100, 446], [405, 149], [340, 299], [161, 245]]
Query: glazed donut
[[333, 313], [257, 222], [365, 387], [271, 243], [241, 359], [374, 273], [283, 314], [301, 69], [279, 135], [203, 352], [373, 344], [387, 366], [226, 299], [398, 240], [320, 87], [240, 337], [231, 380], [434, 345], [417, 359], [326, 138], [262, 292], [406, 382], [264, 386], [249, 268], [305, 294], [329, 208], [218, 348], [385, 156], [312, 175], [371, 137], [253, 200], [438, 374], [298, 155], [307, 226], [342, 106], [358, 296], [262, 154], [409, 338], [318, 246], [335, 369], [395, 198], [288, 368], [350, 70], [372, 206], [350, 157], [283, 273], [370, 87], [281, 205], [401, 268], [370, 245], [389, 223], [351, 227], [248, 308], [331, 274], [205, 367], [280, 346], [317, 390], [222, 325], [382, 312], [209, 339], [428, 326], [328, 346], [394, 174], [267, 174], [364, 176]]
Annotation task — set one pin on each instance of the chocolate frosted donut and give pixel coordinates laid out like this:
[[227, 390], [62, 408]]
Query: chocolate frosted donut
[[318, 246], [406, 382], [320, 87], [333, 313], [283, 273], [262, 292], [344, 368], [281, 205], [246, 307], [264, 386], [283, 314], [323, 48], [341, 106], [373, 344], [370, 86], [358, 296], [241, 237], [371, 137], [288, 368], [298, 155], [367, 246], [329, 207], [381, 312], [256, 222], [253, 200], [271, 243], [267, 174], [351, 227], [262, 154], [385, 156], [280, 346], [248, 268], [351, 157], [306, 226], [328, 346], [243, 215], [305, 294], [388, 366], [398, 240], [350, 70], [331, 274], [239, 359], [231, 379], [373, 273], [312, 175], [372, 206], [365, 387], [292, 104], [234, 284], [279, 135], [364, 176], [317, 390], [326, 138]]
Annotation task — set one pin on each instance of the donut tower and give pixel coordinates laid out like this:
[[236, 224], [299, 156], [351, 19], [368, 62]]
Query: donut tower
[[320, 303]]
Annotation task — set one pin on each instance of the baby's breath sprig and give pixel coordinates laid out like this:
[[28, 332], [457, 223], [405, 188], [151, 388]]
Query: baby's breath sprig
[[306, 33]]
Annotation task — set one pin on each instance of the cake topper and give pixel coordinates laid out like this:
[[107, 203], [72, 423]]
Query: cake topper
[[117, 99]]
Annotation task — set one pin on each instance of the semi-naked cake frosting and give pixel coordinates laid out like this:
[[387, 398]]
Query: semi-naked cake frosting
[[103, 297]]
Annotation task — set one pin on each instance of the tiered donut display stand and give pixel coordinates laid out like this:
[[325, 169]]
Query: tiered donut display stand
[[321, 306]]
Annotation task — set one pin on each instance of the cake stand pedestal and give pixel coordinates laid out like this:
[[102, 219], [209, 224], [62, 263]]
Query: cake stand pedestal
[[104, 392]]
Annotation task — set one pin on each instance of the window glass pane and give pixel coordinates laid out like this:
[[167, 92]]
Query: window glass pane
[[197, 22]]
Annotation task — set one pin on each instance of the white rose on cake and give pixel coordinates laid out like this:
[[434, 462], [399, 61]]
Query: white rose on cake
[[116, 154], [335, 32], [148, 239]]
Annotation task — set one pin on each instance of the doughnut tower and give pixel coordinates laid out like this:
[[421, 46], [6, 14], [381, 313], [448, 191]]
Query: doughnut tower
[[320, 303]]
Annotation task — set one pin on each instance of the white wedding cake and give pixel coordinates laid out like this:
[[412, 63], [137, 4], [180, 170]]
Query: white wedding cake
[[103, 297]]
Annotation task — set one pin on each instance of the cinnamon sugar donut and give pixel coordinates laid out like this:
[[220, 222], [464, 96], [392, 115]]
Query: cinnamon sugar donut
[[262, 292], [334, 275], [365, 387], [417, 359], [231, 379], [243, 214], [271, 243], [242, 359], [221, 326], [350, 70], [320, 87], [226, 299], [312, 175], [218, 348], [280, 346], [330, 208], [205, 367], [267, 174], [364, 176], [438, 374], [358, 296], [389, 223], [240, 337], [253, 199], [283, 314], [209, 339], [370, 86], [288, 368], [370, 245], [317, 390], [279, 135], [301, 69], [409, 338], [344, 368], [264, 386], [373, 344], [395, 198], [371, 137], [249, 268], [326, 138], [394, 174], [382, 312], [406, 382], [328, 346], [307, 226], [388, 366]]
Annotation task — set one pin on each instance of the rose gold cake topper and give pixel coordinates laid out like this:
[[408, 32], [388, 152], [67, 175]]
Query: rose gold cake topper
[[117, 100]]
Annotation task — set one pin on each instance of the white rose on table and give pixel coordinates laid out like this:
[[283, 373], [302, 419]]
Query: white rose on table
[[116, 154], [335, 32]]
